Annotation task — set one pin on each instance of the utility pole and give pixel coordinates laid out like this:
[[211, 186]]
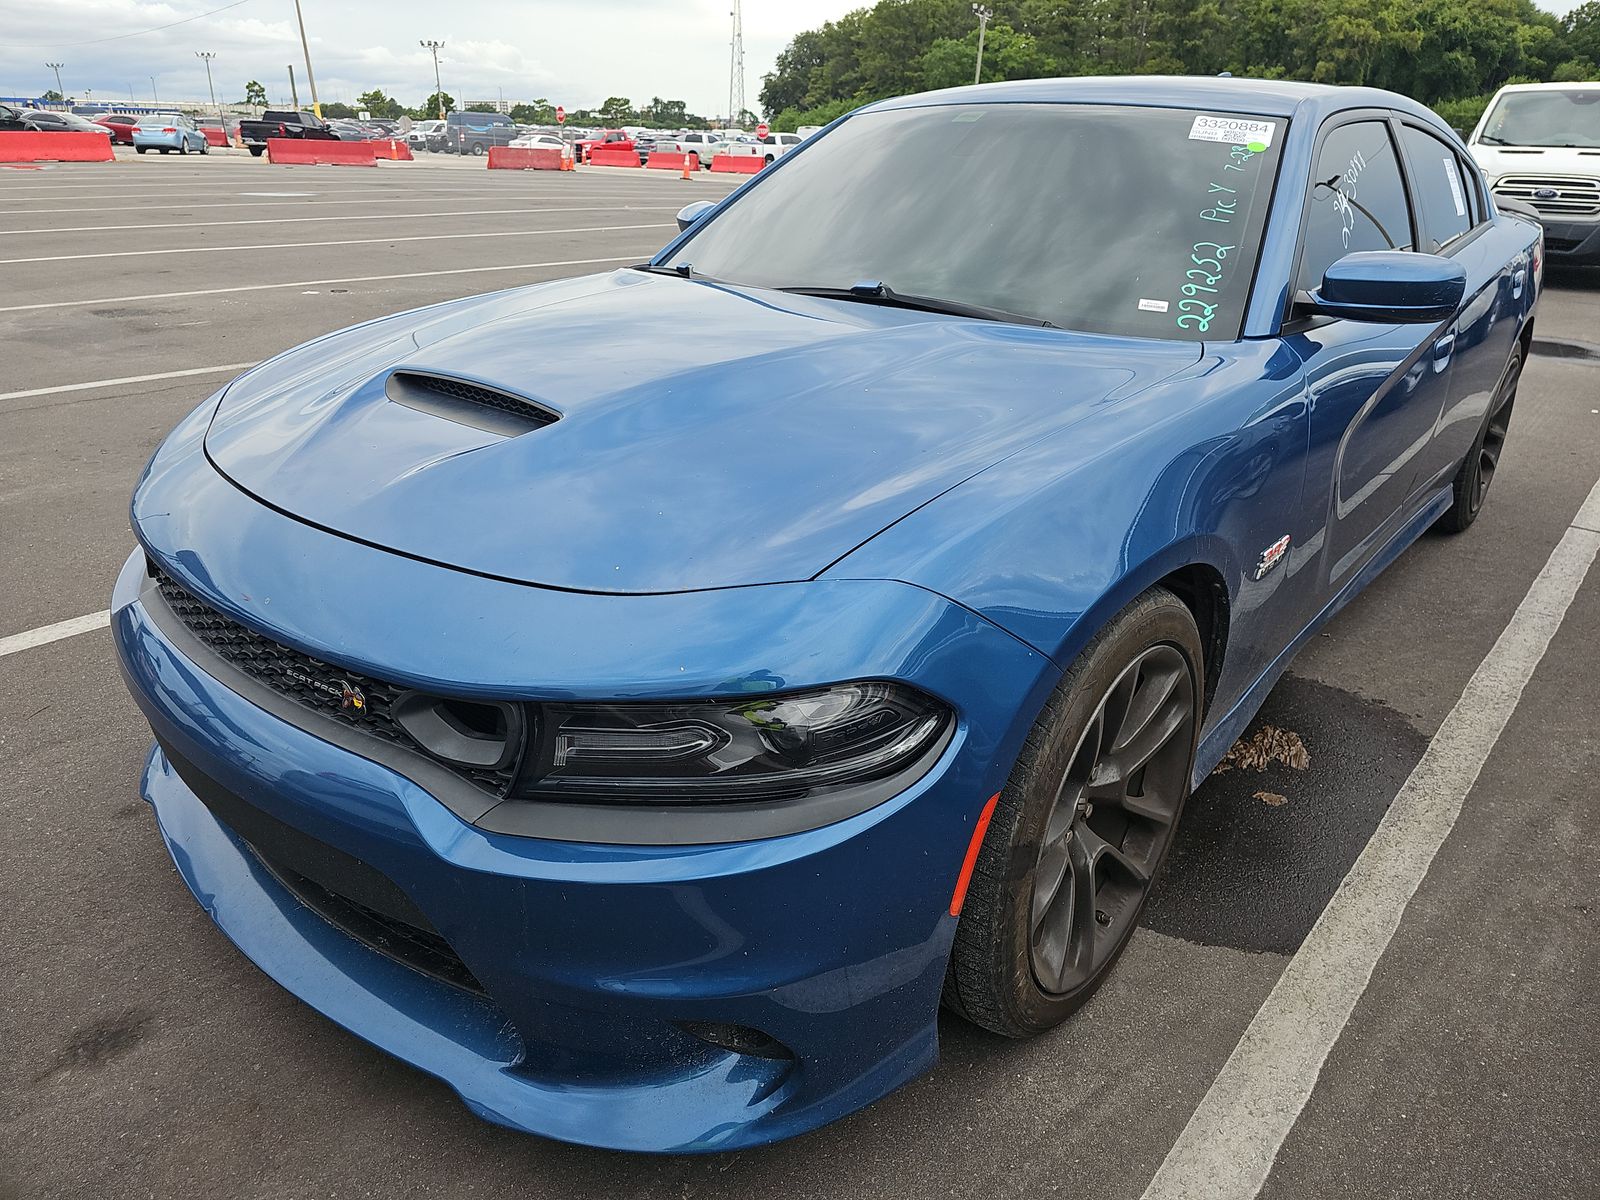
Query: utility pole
[[294, 96], [305, 48], [438, 88], [56, 67], [207, 56], [736, 67], [153, 95], [984, 14]]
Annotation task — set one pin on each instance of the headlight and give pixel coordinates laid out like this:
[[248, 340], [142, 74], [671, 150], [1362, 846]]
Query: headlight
[[762, 747]]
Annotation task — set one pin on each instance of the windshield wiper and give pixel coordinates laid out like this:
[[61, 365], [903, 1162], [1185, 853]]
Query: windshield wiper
[[1489, 137], [682, 270], [881, 293]]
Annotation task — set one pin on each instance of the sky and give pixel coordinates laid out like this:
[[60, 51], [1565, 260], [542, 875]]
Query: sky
[[573, 53]]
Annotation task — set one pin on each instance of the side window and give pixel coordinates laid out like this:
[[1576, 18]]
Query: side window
[[1443, 191], [1358, 200]]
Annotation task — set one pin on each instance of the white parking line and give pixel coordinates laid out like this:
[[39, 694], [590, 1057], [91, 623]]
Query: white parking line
[[304, 283], [105, 383], [1228, 1148], [377, 216], [383, 241], [44, 635]]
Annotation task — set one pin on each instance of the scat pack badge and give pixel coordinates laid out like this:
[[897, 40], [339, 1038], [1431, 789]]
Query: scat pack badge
[[1272, 555]]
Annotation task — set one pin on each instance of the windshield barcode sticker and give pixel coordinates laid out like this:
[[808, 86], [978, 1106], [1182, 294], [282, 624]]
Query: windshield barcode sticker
[[1236, 131], [1453, 174], [1153, 305]]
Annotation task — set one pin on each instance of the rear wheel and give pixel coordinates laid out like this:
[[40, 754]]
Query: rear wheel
[[183, 146], [1083, 825], [478, 150], [1471, 484], [257, 151], [140, 149]]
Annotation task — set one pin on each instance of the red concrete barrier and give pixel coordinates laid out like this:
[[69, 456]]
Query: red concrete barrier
[[392, 149], [671, 160], [215, 137], [738, 164], [307, 152], [22, 147], [519, 158], [600, 156]]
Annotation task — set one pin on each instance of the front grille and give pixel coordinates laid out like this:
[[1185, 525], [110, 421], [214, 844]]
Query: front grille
[[1575, 196], [319, 686], [420, 949]]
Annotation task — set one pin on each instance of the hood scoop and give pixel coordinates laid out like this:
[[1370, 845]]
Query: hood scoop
[[468, 403]]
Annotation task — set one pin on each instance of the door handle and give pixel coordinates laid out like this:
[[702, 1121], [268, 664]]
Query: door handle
[[1518, 278], [1442, 350]]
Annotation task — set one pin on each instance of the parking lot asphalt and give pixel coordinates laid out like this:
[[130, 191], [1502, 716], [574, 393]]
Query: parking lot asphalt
[[145, 1056]]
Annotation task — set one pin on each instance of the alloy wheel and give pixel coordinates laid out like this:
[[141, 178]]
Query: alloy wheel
[[1494, 433], [1114, 813]]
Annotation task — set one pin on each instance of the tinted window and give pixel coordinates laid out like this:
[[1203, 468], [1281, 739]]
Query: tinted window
[[1110, 219], [1443, 194], [1358, 201]]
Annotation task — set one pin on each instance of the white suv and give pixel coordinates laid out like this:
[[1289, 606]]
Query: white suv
[[1539, 143]]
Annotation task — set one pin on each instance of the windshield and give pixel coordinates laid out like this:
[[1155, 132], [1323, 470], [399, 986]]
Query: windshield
[[1548, 117], [1135, 221]]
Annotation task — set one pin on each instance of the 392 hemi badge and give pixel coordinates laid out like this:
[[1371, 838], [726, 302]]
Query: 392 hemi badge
[[351, 698], [1272, 555]]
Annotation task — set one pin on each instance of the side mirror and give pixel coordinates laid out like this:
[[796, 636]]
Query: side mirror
[[1391, 287], [690, 213]]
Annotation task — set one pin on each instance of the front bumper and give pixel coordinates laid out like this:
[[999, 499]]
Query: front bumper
[[592, 957]]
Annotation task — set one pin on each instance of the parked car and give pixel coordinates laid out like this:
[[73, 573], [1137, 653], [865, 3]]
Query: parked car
[[474, 132], [119, 125], [12, 119], [1539, 144], [771, 148], [538, 141], [169, 132], [611, 139], [45, 121], [417, 136], [283, 123], [705, 145], [646, 750]]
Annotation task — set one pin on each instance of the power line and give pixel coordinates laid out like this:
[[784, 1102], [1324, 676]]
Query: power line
[[140, 32]]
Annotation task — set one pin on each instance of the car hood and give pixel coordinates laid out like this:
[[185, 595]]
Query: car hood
[[1535, 160], [706, 436]]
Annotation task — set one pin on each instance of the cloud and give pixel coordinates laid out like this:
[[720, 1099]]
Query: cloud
[[572, 53]]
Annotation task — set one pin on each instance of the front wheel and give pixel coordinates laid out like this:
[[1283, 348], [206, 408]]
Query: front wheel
[[1471, 484], [140, 149], [257, 151], [1083, 825]]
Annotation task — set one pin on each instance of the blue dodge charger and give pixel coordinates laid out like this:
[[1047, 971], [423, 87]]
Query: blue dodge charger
[[648, 746]]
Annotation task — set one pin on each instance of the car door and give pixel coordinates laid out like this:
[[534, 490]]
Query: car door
[[1374, 390], [1453, 218]]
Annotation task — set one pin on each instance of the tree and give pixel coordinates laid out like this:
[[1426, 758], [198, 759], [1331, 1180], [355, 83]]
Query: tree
[[667, 112], [482, 106], [338, 110], [53, 97], [617, 110], [255, 94], [429, 109], [540, 112], [378, 104]]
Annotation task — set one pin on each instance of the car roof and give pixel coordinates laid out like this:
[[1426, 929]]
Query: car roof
[[1260, 97], [1588, 85]]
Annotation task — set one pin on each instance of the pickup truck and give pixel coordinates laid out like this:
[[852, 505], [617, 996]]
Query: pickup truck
[[283, 123]]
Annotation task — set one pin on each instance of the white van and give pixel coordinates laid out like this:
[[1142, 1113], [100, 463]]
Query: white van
[[1539, 143]]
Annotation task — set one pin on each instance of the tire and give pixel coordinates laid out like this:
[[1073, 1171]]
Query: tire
[[257, 151], [1015, 968], [768, 161], [205, 147], [1471, 485], [140, 149], [183, 146], [165, 149], [478, 150]]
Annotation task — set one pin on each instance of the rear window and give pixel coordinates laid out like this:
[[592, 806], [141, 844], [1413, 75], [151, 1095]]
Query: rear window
[[1442, 192], [1135, 221]]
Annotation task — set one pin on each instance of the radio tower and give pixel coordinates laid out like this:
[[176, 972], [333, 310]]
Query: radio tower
[[736, 69]]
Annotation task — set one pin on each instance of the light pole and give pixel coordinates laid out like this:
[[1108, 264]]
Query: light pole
[[984, 14], [56, 67], [207, 56], [305, 48], [438, 88], [153, 94]]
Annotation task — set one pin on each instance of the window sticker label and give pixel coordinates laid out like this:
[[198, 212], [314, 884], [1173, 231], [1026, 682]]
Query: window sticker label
[[1454, 176], [1153, 305], [1236, 131]]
